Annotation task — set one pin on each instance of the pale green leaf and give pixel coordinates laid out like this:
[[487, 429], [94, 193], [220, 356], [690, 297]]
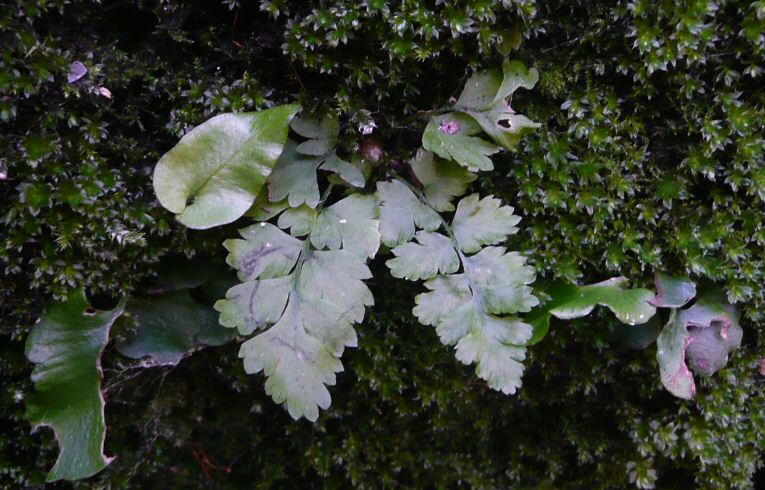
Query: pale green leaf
[[300, 354], [455, 306], [315, 147], [453, 136], [433, 254], [297, 365], [300, 220], [265, 252], [442, 180], [503, 125], [348, 172], [401, 212], [480, 222], [323, 135], [483, 106], [502, 279], [487, 88], [450, 294], [497, 347], [485, 100], [327, 129], [631, 306], [480, 90], [351, 223], [254, 305], [465, 310], [310, 303], [212, 176], [294, 178], [515, 75], [66, 345]]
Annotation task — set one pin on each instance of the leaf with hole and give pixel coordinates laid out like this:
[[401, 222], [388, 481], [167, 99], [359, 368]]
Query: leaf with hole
[[485, 99], [66, 346], [483, 107]]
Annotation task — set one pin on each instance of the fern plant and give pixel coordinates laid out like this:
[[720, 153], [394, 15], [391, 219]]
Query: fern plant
[[318, 221], [315, 221]]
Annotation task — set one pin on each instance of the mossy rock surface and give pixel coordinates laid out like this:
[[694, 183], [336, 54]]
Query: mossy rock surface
[[649, 158]]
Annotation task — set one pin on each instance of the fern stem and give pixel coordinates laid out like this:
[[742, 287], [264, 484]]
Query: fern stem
[[421, 196], [450, 232], [307, 248]]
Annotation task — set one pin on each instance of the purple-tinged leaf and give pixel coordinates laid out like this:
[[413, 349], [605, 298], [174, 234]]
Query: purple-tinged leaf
[[77, 70], [104, 92], [708, 350], [704, 334], [713, 326], [672, 292], [670, 352]]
